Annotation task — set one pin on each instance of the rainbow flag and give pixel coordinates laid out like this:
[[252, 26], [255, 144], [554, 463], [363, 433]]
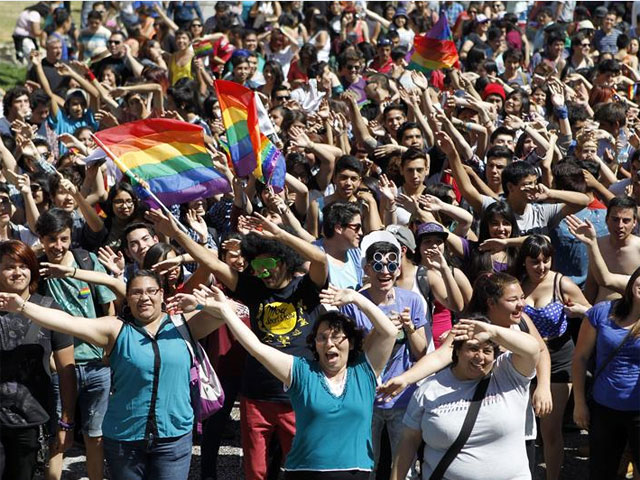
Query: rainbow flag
[[435, 49], [240, 119], [167, 154], [272, 168], [202, 48]]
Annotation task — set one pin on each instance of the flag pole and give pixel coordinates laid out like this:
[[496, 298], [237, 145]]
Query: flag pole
[[134, 177]]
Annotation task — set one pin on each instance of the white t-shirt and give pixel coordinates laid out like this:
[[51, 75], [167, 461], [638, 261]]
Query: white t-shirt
[[495, 449], [24, 24], [536, 215]]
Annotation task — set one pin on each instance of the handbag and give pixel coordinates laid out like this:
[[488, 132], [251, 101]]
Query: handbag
[[207, 395], [472, 414]]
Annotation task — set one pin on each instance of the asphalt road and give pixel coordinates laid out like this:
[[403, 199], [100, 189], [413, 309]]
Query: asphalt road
[[230, 458]]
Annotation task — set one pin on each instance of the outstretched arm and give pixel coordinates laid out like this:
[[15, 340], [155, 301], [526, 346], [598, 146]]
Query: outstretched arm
[[101, 332], [277, 362]]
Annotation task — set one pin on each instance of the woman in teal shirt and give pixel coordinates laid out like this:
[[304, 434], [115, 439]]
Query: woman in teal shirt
[[333, 395], [147, 428]]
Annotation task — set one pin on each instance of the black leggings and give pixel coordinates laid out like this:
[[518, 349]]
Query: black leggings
[[18, 453], [337, 475], [609, 433]]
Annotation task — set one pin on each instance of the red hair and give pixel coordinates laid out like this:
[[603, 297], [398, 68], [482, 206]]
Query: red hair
[[20, 252]]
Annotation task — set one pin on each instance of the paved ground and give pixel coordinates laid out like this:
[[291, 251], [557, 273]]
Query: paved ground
[[230, 459]]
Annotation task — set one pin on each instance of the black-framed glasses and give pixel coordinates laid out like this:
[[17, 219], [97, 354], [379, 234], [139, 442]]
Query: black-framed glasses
[[151, 292], [336, 338]]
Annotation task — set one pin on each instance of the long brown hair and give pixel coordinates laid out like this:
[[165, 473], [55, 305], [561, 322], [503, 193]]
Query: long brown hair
[[622, 307]]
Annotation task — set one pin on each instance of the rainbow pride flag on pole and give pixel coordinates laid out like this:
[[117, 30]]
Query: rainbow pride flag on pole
[[202, 48], [240, 119], [271, 168], [169, 155], [435, 49]]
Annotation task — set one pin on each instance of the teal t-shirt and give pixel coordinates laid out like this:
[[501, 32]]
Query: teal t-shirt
[[138, 383], [332, 433], [74, 296]]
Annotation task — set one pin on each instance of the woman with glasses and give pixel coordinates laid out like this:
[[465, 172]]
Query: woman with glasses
[[122, 208], [148, 424], [332, 395], [445, 288], [580, 53]]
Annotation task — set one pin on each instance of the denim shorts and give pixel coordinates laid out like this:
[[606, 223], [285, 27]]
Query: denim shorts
[[94, 384]]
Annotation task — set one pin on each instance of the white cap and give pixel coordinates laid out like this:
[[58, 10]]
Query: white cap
[[585, 25], [375, 237]]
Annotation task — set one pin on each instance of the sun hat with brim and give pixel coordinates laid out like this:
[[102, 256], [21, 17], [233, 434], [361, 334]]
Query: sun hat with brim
[[377, 237], [430, 228], [585, 25], [77, 92]]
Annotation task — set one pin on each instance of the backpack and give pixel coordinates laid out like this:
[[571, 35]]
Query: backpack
[[207, 396], [425, 290]]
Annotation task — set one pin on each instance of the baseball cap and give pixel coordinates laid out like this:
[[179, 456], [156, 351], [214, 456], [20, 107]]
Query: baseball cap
[[384, 41], [403, 235], [481, 18], [376, 237], [600, 12], [431, 228]]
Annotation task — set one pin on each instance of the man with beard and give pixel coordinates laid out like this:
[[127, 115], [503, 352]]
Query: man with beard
[[620, 249], [283, 308]]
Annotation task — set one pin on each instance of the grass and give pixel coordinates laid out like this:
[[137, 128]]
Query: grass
[[11, 75]]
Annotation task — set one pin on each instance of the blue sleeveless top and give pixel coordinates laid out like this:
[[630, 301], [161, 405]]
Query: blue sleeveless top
[[550, 320], [150, 396]]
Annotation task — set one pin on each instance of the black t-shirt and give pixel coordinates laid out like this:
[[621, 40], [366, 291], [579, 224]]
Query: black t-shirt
[[281, 319], [57, 82], [24, 369]]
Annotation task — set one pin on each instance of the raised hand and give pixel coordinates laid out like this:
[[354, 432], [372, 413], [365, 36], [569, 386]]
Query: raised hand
[[493, 245], [388, 188], [162, 223], [112, 261], [63, 69], [430, 203], [23, 129], [197, 223], [407, 202], [181, 303], [54, 270], [392, 388], [445, 144], [435, 260], [467, 329], [24, 184], [106, 119], [419, 80], [583, 230], [67, 185], [337, 297]]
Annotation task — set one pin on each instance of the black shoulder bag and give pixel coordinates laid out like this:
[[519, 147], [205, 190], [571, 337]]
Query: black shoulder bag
[[467, 426]]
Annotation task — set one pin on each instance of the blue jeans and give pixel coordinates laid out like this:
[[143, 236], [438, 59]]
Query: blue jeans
[[392, 418], [164, 460], [94, 384]]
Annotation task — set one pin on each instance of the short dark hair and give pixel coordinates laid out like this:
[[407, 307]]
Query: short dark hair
[[380, 247], [337, 213], [514, 54], [348, 162], [394, 106], [53, 221], [625, 202], [39, 97], [568, 176], [338, 321], [411, 154], [11, 95], [94, 15], [500, 151], [60, 15], [611, 113], [135, 226], [146, 274], [407, 126], [516, 171], [501, 131]]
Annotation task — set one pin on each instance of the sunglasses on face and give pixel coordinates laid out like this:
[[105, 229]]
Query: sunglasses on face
[[268, 263], [114, 42], [379, 264], [5, 201], [35, 187], [283, 97]]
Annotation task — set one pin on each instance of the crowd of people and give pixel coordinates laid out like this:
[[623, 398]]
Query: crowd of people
[[450, 276]]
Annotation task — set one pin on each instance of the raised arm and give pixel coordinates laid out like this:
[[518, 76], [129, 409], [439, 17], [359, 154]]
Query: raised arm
[[469, 192], [100, 332], [277, 362], [56, 270], [524, 347], [319, 264], [167, 226], [380, 341], [94, 222]]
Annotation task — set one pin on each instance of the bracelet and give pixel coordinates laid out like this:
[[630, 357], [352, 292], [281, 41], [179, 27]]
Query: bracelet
[[561, 112], [91, 76], [181, 257], [67, 427], [75, 269], [411, 330], [199, 307], [21, 309], [467, 126]]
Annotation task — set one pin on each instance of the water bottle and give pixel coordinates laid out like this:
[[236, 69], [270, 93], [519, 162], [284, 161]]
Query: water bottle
[[623, 147]]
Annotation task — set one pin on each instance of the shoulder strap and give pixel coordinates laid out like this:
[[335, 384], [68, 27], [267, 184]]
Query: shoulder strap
[[467, 426], [523, 326], [185, 333], [612, 354], [557, 288], [425, 290]]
